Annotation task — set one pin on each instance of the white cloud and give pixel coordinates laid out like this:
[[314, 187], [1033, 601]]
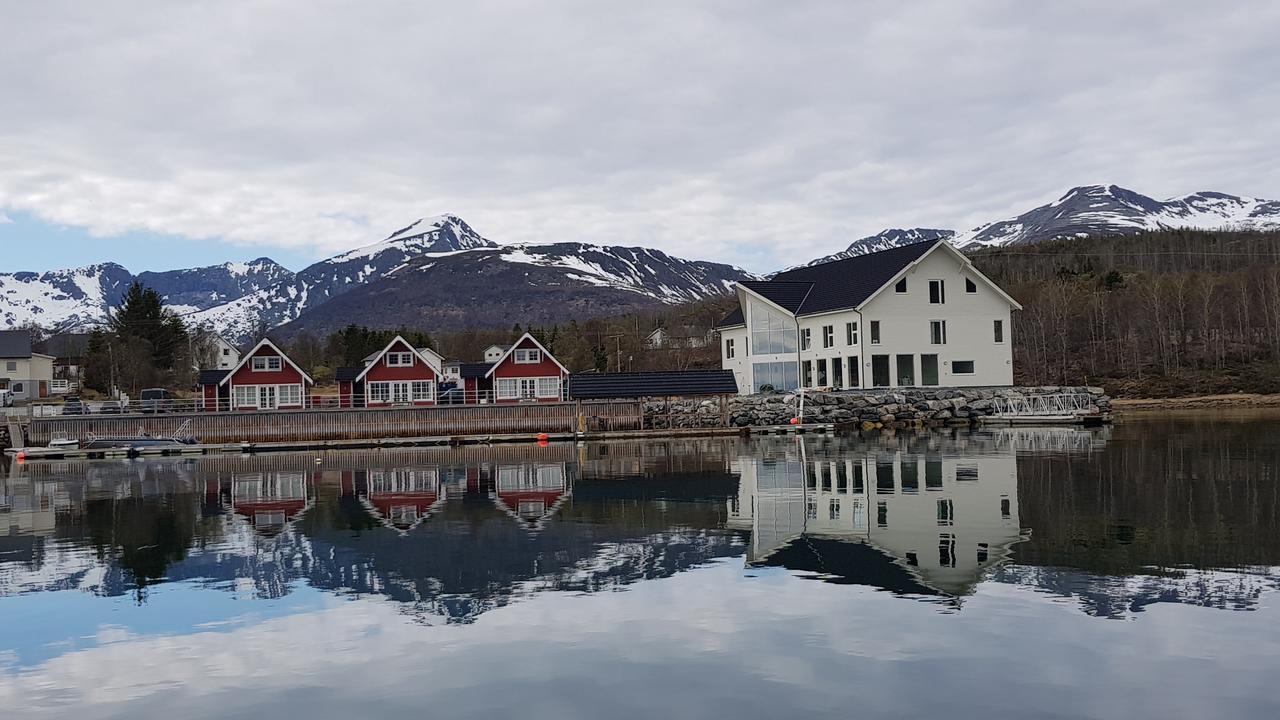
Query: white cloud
[[4, 219], [753, 132]]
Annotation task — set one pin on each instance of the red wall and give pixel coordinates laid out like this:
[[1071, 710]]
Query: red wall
[[285, 376], [509, 369], [418, 371]]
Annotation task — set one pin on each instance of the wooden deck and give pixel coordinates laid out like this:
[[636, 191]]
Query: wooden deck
[[309, 427]]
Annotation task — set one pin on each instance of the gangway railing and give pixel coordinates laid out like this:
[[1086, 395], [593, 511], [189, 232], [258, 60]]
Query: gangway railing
[[1065, 405]]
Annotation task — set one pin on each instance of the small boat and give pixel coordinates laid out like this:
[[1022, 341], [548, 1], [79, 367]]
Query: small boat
[[180, 437], [60, 441]]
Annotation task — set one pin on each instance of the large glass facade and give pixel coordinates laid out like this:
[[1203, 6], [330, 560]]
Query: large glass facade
[[781, 376], [771, 331]]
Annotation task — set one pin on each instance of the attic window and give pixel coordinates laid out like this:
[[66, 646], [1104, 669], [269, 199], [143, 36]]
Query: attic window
[[901, 286], [270, 363], [399, 359], [970, 286], [528, 357]]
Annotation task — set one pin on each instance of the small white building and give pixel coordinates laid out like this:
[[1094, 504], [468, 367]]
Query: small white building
[[494, 353], [26, 374], [227, 355], [919, 315]]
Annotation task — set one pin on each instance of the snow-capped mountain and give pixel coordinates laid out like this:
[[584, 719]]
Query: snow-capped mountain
[[1091, 211], [62, 299], [529, 284], [195, 289], [319, 283]]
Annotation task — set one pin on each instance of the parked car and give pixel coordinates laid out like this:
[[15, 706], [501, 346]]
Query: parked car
[[111, 407], [155, 400], [72, 405]]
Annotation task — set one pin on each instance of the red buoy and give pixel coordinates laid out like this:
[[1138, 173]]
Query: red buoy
[[543, 437], [795, 421]]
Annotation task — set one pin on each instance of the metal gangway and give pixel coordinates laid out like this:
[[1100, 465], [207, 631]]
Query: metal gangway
[[1066, 407]]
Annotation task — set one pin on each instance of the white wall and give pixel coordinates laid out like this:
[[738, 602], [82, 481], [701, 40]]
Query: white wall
[[29, 373], [740, 364]]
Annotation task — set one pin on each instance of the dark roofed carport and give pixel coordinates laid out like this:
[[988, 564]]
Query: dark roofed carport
[[686, 383]]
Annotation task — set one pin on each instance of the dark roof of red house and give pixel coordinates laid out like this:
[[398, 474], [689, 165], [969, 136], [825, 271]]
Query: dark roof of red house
[[347, 374], [687, 383], [211, 377], [474, 370]]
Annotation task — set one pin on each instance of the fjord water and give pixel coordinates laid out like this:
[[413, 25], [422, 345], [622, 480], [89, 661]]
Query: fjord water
[[1120, 572]]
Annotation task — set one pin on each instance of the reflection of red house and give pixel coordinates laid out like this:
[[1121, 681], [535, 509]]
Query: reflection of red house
[[526, 372], [398, 375], [530, 493], [404, 497], [269, 500], [264, 379]]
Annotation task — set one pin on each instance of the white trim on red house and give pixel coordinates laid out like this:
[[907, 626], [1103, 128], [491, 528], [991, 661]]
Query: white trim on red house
[[507, 354], [419, 354], [249, 355]]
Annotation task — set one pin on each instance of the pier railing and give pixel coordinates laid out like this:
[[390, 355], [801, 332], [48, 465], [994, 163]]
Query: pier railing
[[353, 423]]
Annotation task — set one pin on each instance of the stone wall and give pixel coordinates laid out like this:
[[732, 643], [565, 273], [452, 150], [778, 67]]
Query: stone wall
[[896, 408]]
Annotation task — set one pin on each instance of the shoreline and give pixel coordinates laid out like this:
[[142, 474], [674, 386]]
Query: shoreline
[[1195, 402]]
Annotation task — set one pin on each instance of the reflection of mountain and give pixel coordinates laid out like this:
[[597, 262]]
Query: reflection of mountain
[[1116, 522], [450, 533]]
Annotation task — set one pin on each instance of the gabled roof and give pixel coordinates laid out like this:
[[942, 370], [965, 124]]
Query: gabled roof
[[687, 383], [212, 377], [266, 342], [847, 283], [369, 364], [512, 349], [15, 344]]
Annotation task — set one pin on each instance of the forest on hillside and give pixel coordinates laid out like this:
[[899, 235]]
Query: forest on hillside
[[1157, 314]]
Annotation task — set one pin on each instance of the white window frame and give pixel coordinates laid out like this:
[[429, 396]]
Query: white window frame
[[244, 396], [266, 363], [851, 333], [526, 356], [942, 291], [973, 371], [828, 336], [969, 283], [378, 391], [939, 337], [399, 359], [997, 331], [728, 348], [289, 394], [806, 338], [422, 391], [875, 332]]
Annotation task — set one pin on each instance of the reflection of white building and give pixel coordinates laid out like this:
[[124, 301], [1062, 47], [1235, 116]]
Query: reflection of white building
[[942, 518], [530, 492]]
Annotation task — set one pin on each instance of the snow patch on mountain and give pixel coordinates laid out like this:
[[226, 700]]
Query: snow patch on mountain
[[62, 299]]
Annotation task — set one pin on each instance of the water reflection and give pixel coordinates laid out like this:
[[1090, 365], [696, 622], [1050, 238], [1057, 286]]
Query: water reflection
[[1110, 520]]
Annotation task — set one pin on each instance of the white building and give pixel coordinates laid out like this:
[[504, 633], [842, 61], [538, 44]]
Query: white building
[[26, 374], [226, 354], [914, 316]]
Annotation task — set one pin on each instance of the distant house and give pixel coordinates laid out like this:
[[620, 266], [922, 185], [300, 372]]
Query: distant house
[[399, 374], [918, 315], [682, 336], [494, 352], [25, 373], [264, 379], [526, 372], [68, 351], [226, 355]]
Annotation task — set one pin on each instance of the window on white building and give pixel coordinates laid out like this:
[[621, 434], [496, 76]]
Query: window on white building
[[998, 330], [771, 332], [806, 339], [962, 367], [851, 333], [778, 376], [900, 286], [807, 371], [938, 332], [528, 357], [828, 336], [728, 348], [875, 332], [970, 286], [937, 292]]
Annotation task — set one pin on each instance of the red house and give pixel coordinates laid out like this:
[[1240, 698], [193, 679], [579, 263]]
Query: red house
[[399, 374], [264, 379], [526, 372]]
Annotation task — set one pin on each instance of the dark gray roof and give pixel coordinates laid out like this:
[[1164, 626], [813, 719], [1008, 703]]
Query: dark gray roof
[[474, 370], [733, 318], [211, 377], [847, 283], [686, 383], [64, 345], [788, 295], [15, 344], [347, 374]]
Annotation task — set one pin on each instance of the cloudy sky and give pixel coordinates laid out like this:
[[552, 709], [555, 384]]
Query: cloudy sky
[[162, 134]]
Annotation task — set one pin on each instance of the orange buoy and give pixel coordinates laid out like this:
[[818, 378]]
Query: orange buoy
[[795, 421], [21, 457], [543, 438]]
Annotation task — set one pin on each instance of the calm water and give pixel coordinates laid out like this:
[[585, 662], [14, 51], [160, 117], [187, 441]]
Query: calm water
[[1127, 572]]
